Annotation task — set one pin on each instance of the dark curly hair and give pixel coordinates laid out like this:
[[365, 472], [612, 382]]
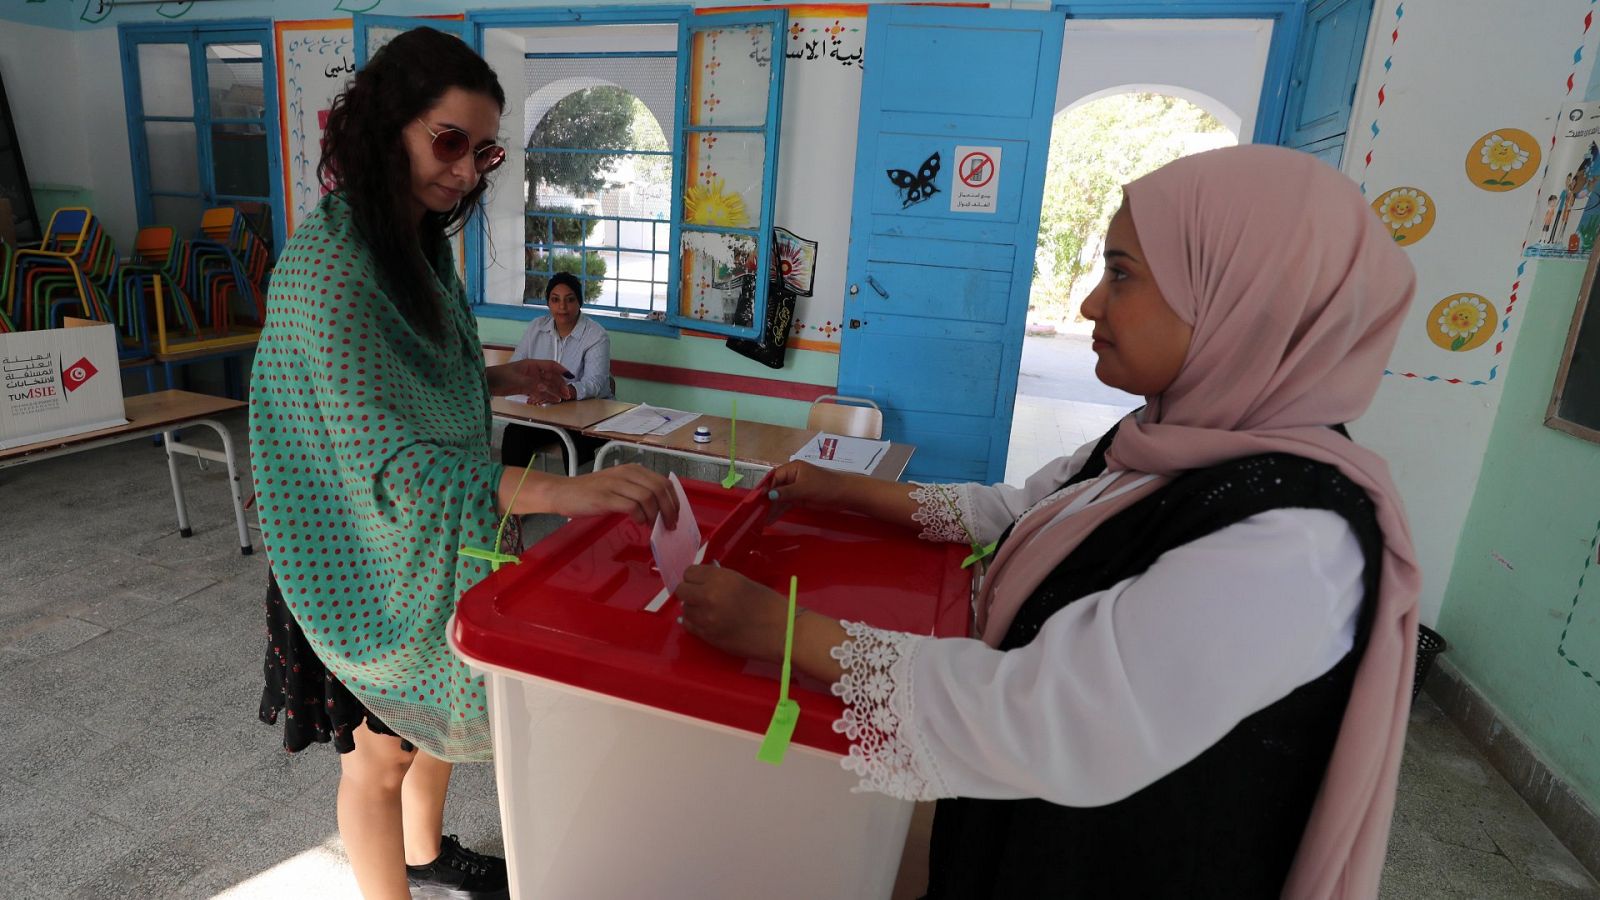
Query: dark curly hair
[[364, 158]]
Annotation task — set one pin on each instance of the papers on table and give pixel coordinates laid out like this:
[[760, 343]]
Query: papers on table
[[647, 419], [846, 454], [675, 549]]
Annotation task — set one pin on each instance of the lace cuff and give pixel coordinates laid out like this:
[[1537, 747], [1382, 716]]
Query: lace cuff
[[885, 749], [944, 511]]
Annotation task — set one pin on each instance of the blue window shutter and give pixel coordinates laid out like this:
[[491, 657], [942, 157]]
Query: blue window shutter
[[684, 130], [1326, 67], [365, 24]]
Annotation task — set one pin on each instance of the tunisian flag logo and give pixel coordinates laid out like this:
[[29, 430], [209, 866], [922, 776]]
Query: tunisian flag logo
[[76, 374]]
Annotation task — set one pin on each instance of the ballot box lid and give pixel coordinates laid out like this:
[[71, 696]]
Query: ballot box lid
[[573, 610]]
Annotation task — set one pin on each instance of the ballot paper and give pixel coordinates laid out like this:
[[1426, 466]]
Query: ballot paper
[[675, 548], [647, 419], [846, 454]]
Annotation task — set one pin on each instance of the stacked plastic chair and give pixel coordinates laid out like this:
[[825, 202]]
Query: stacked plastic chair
[[227, 226], [75, 272], [206, 295], [7, 269], [219, 268], [148, 283]]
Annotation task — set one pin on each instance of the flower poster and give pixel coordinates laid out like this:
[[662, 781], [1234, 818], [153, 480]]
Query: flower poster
[[1461, 322], [1407, 212], [1503, 160], [1567, 211]]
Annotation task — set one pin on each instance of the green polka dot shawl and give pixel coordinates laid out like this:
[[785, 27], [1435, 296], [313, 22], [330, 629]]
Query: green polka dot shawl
[[369, 446]]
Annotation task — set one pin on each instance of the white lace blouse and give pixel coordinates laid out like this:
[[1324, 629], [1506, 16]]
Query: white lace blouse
[[1118, 689]]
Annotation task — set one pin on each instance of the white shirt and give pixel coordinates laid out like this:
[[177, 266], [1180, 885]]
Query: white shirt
[[1119, 688], [586, 353]]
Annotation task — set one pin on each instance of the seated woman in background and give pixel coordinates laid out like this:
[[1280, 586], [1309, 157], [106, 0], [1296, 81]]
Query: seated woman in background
[[573, 340], [1195, 644]]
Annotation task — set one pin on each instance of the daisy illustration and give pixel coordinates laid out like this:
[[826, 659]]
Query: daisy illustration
[[1462, 319], [1502, 155], [1403, 208]]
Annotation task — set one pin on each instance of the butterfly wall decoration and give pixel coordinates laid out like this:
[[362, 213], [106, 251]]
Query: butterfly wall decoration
[[915, 188]]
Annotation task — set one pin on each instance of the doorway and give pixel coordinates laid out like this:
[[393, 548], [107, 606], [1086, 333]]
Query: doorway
[[1133, 94]]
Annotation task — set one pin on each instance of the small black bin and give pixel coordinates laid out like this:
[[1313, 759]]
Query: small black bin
[[1429, 646]]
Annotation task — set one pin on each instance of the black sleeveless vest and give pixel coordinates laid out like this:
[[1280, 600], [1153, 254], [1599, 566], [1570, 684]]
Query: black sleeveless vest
[[1226, 824]]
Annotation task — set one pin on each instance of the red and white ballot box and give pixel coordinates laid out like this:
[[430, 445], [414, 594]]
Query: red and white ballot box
[[625, 748]]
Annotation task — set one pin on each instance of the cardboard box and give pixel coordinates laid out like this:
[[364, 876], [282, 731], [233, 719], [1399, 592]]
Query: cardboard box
[[58, 383]]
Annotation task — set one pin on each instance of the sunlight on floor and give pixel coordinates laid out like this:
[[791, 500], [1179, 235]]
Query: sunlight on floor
[[1043, 429], [322, 872]]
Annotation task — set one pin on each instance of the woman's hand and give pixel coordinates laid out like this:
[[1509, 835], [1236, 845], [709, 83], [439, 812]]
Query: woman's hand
[[543, 380], [809, 485], [736, 615], [733, 613], [632, 490]]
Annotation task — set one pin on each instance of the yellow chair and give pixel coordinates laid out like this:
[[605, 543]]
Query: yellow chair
[[849, 416]]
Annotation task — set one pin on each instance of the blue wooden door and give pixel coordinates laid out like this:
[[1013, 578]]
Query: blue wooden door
[[1322, 84], [941, 243]]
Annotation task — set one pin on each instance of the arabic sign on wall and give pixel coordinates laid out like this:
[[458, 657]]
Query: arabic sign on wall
[[315, 61]]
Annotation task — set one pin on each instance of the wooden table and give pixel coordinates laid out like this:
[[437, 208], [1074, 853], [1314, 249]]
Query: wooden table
[[755, 443], [560, 418], [230, 354], [163, 413]]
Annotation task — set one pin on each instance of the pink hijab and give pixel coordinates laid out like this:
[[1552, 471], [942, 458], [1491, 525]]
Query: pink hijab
[[1296, 294]]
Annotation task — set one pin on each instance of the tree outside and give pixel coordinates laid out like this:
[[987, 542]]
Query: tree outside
[[564, 186], [1094, 150]]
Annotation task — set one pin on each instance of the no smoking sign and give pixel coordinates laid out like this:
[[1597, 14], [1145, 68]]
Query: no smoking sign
[[977, 181]]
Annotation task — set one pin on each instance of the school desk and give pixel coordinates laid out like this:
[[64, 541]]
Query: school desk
[[559, 418], [164, 413]]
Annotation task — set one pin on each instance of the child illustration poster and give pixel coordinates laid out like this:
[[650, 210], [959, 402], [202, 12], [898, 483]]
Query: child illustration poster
[[1567, 217]]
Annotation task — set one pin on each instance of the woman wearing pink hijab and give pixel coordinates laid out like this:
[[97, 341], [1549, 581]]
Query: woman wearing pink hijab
[[1194, 647]]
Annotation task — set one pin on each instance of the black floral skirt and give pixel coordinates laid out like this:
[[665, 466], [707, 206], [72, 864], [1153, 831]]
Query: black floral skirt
[[316, 706]]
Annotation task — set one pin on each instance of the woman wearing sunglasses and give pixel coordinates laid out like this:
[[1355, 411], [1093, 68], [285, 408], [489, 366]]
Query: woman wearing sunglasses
[[369, 427]]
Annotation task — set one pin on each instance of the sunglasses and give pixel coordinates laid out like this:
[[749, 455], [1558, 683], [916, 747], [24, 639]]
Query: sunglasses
[[451, 144]]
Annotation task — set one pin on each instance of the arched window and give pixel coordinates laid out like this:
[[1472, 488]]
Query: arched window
[[597, 187]]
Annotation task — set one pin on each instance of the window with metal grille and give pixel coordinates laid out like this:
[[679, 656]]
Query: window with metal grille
[[597, 186]]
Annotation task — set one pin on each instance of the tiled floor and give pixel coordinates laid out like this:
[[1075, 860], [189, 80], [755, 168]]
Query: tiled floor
[[132, 765]]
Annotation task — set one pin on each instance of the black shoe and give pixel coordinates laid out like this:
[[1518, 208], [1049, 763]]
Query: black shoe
[[459, 874]]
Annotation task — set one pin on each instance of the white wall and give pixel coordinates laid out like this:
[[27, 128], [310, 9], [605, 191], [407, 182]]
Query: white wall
[[65, 89], [1217, 64], [47, 106], [105, 126], [504, 264], [817, 159], [1459, 69]]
